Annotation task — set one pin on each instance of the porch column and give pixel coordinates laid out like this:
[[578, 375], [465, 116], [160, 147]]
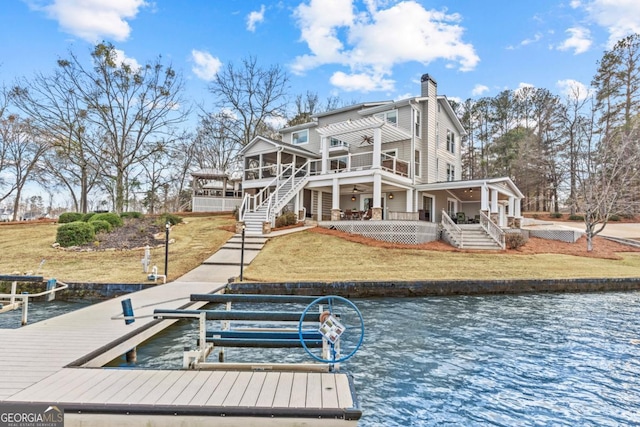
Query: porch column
[[516, 207], [377, 148], [324, 146], [494, 200], [409, 200], [484, 198], [494, 214], [512, 201], [376, 209], [319, 208], [335, 201], [297, 202]]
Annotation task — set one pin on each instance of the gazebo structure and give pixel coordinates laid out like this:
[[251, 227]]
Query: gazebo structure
[[215, 191]]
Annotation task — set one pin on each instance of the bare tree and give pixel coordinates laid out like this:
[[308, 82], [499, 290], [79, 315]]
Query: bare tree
[[54, 105], [607, 167], [22, 148], [133, 107], [215, 144], [251, 95]]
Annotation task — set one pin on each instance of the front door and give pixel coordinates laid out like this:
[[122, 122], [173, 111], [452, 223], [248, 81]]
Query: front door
[[427, 208]]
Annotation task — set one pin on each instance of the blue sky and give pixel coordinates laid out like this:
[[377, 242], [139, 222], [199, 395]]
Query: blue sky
[[360, 50]]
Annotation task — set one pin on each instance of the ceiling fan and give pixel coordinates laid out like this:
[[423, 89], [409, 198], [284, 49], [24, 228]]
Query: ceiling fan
[[366, 139], [356, 190]]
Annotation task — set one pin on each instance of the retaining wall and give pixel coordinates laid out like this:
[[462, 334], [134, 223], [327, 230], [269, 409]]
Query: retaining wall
[[437, 288]]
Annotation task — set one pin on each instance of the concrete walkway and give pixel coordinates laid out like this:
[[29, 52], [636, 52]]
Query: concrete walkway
[[613, 229], [224, 264]]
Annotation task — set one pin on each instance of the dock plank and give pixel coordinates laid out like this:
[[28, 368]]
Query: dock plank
[[122, 381], [161, 387], [208, 389], [299, 398], [147, 388], [345, 399], [254, 390], [283, 391], [171, 394], [222, 391], [329, 391], [314, 390], [238, 389], [192, 389], [268, 391]]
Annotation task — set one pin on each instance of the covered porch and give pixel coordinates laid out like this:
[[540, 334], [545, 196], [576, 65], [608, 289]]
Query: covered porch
[[215, 191], [463, 201]]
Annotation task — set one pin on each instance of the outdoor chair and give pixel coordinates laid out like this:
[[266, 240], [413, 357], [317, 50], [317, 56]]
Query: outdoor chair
[[461, 218]]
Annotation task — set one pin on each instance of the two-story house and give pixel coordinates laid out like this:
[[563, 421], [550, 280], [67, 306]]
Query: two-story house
[[380, 161]]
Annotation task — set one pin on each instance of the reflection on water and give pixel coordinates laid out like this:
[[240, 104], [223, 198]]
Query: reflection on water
[[547, 359]]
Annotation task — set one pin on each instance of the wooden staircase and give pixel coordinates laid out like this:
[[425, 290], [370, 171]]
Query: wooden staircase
[[288, 184]]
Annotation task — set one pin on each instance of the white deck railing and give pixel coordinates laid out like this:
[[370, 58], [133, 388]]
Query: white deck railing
[[492, 229], [452, 228], [360, 161]]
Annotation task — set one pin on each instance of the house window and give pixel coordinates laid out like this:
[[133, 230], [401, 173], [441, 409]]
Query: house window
[[335, 142], [451, 141], [389, 116], [417, 123], [416, 164], [451, 172], [300, 137]]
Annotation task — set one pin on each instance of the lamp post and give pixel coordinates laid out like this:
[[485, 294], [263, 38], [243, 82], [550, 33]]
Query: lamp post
[[242, 252], [166, 247]]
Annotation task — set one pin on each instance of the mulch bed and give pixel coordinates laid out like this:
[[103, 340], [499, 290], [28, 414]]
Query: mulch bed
[[602, 248]]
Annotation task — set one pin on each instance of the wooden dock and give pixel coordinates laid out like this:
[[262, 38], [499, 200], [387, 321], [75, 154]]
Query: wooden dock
[[59, 362]]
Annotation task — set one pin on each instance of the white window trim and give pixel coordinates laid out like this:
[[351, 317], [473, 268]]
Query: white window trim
[[384, 114], [299, 132], [451, 145], [417, 161]]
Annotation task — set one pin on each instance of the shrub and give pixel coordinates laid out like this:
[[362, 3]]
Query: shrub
[[101, 225], [67, 217], [514, 240], [125, 215], [287, 218], [170, 218], [614, 218], [74, 234], [112, 218], [86, 217], [555, 215], [576, 218]]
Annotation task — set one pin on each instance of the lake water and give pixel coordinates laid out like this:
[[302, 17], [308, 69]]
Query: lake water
[[528, 360], [39, 310]]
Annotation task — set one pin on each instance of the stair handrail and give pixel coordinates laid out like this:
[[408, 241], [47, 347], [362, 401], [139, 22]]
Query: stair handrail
[[292, 178], [274, 205], [243, 207], [452, 228], [493, 230], [250, 203]]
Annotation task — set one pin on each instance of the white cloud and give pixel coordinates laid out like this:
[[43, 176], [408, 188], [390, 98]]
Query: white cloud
[[92, 20], [536, 38], [121, 58], [361, 82], [255, 17], [370, 43], [573, 89], [206, 65], [479, 90], [620, 17], [579, 40]]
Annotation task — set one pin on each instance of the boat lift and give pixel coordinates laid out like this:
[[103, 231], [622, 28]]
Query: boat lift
[[15, 300], [322, 330]]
